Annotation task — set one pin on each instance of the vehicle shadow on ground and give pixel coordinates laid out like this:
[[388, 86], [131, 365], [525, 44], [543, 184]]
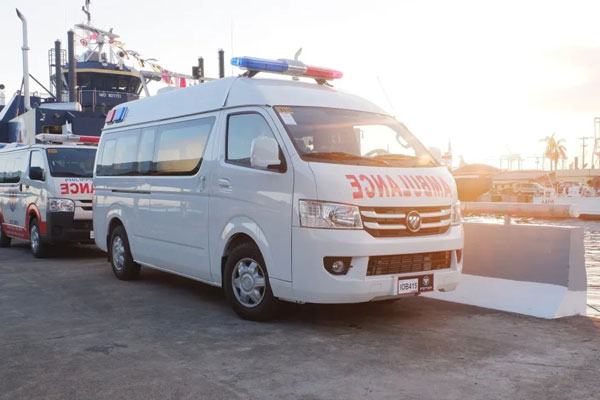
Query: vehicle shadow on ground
[[62, 251], [351, 315]]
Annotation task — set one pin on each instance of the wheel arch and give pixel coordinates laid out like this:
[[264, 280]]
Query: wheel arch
[[34, 212], [238, 231]]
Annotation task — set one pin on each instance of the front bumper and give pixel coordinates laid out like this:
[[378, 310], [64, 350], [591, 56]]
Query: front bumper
[[62, 227], [312, 283]]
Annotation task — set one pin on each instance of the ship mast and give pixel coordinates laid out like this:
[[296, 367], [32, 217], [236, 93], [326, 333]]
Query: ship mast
[[86, 10]]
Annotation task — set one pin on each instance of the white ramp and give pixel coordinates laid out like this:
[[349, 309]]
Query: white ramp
[[535, 270]]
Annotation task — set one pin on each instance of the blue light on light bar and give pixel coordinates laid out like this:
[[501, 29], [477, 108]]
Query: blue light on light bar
[[259, 64], [120, 114], [286, 67]]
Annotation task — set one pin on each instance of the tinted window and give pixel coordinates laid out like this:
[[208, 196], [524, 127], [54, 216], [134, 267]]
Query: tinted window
[[3, 160], [124, 160], [180, 146], [11, 167], [242, 129], [37, 161], [70, 162], [108, 155], [146, 150]]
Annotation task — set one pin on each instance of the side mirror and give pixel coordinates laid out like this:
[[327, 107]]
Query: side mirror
[[264, 153], [36, 174]]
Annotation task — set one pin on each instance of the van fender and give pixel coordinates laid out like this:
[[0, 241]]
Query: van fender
[[114, 212], [32, 209], [250, 228]]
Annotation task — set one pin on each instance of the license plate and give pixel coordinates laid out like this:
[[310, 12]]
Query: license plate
[[91, 234], [415, 284]]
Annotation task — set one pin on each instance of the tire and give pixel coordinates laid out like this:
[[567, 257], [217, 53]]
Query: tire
[[251, 296], [37, 246], [120, 257], [4, 240]]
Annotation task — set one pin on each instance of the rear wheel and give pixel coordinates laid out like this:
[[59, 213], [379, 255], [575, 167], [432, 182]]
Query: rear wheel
[[38, 248], [246, 284], [4, 240], [121, 260]]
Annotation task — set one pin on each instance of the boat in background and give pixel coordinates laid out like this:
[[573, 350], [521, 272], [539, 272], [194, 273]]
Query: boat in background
[[586, 198], [94, 74]]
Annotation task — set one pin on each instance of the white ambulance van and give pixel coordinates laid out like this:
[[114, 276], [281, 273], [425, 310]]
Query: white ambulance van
[[275, 190], [46, 194]]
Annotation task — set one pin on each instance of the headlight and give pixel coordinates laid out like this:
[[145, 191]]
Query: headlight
[[61, 205], [455, 216], [318, 214]]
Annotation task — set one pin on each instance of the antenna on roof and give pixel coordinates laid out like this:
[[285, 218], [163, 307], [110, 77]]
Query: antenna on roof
[[296, 56], [86, 11]]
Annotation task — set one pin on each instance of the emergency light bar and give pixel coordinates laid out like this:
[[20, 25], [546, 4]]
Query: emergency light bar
[[285, 67], [58, 138]]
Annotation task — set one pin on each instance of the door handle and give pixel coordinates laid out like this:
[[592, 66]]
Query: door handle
[[202, 183], [224, 184]]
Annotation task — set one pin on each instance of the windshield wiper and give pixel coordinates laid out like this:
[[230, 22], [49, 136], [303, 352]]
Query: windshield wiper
[[404, 157], [339, 155], [69, 174]]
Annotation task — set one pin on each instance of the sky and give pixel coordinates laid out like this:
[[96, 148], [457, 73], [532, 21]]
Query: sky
[[494, 77]]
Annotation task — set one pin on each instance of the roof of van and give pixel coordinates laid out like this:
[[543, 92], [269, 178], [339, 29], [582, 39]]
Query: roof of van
[[45, 146], [239, 91]]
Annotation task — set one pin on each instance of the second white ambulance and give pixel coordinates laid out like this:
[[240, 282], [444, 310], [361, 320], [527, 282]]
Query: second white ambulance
[[275, 189], [46, 194]]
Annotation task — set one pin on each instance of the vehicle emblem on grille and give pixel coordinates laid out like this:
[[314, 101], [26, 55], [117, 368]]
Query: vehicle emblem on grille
[[413, 221], [425, 280]]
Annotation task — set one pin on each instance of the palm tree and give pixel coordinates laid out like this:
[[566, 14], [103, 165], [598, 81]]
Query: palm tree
[[555, 150]]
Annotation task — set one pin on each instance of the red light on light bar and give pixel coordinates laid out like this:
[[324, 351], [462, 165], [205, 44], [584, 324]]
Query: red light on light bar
[[110, 116], [325, 73], [89, 139]]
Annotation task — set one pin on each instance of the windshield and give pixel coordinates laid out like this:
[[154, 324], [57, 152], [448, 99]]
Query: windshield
[[69, 162], [353, 137]]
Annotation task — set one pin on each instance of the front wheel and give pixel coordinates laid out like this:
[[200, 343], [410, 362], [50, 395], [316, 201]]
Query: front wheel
[[38, 248], [4, 240], [246, 284], [121, 259]]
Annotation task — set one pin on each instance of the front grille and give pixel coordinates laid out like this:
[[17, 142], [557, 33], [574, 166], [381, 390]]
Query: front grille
[[85, 205], [405, 263], [82, 224], [391, 221]]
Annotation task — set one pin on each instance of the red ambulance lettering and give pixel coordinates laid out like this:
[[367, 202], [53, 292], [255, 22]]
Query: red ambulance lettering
[[405, 185], [357, 194], [394, 187], [370, 192], [86, 188], [447, 191], [435, 186], [64, 188], [424, 185], [381, 186], [74, 188]]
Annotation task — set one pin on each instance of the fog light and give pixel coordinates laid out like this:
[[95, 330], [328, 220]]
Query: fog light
[[337, 265]]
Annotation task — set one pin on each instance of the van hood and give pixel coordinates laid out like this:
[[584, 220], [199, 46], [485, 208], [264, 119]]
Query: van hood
[[74, 188], [383, 186]]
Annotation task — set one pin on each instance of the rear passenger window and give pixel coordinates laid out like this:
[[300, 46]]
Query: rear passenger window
[[12, 167], [125, 159], [242, 129], [146, 150], [180, 146], [108, 155], [3, 159]]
